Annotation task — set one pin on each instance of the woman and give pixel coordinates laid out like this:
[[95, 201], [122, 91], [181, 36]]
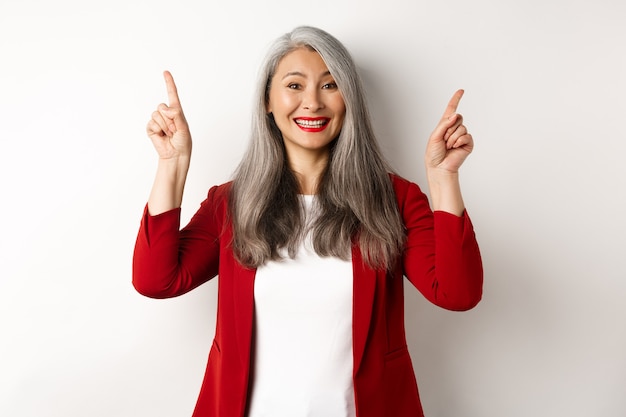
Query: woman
[[310, 240]]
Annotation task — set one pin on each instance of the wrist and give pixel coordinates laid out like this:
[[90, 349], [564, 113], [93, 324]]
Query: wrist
[[174, 167], [439, 176], [169, 184], [445, 191]]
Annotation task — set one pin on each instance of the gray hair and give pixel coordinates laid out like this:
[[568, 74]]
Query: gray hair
[[355, 195]]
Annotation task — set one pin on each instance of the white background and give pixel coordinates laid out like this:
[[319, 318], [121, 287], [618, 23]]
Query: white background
[[545, 100]]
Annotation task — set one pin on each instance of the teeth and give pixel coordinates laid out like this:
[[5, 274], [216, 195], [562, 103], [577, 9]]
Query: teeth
[[311, 123]]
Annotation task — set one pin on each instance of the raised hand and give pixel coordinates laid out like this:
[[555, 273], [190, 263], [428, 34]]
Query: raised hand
[[168, 128], [170, 135], [450, 143]]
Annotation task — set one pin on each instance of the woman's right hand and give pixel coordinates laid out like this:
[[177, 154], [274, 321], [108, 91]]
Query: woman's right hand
[[168, 128]]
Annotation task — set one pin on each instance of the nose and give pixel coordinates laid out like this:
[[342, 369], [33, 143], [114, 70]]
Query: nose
[[312, 100]]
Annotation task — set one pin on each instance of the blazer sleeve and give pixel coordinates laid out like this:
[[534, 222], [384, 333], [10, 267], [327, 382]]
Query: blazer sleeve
[[441, 257], [168, 262]]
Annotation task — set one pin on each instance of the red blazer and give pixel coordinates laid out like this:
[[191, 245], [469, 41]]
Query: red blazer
[[441, 259]]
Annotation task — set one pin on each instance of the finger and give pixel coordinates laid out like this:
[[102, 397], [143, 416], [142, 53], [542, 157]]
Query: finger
[[458, 133], [466, 141], [160, 125], [173, 117], [442, 128], [164, 123], [153, 128], [453, 104], [458, 121], [172, 91]]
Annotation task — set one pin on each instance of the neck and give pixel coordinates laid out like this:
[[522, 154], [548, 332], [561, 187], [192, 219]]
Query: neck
[[309, 171]]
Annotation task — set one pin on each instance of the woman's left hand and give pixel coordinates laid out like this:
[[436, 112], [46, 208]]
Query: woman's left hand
[[450, 143]]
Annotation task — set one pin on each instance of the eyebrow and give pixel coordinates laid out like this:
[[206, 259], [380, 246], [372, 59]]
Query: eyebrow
[[300, 74]]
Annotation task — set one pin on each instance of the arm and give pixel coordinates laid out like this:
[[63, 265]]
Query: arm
[[441, 257], [168, 262]]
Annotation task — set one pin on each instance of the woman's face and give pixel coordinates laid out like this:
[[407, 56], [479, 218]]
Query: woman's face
[[306, 103]]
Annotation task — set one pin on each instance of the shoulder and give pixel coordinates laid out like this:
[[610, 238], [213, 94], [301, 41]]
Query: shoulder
[[220, 193], [404, 189], [399, 183], [216, 202]]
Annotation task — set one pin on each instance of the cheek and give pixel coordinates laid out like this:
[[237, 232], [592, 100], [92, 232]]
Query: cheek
[[281, 104], [341, 111], [340, 107], [340, 123]]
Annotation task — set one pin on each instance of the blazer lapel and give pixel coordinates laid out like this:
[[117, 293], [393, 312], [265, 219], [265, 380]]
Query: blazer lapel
[[244, 312], [364, 288]]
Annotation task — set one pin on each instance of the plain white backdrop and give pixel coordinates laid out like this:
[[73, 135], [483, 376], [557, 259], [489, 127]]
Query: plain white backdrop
[[545, 100]]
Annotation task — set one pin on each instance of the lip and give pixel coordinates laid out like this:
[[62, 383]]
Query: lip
[[312, 124]]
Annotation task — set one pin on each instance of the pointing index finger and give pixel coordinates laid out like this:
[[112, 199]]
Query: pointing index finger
[[453, 104], [172, 92]]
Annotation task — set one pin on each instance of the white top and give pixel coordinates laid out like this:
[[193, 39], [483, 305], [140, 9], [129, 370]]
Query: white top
[[302, 358]]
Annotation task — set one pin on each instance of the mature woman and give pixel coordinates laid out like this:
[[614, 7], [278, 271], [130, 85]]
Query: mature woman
[[310, 240]]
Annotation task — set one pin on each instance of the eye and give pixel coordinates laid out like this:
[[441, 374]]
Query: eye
[[294, 86], [329, 86]]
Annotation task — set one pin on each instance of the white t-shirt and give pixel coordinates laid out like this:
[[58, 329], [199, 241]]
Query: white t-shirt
[[302, 355]]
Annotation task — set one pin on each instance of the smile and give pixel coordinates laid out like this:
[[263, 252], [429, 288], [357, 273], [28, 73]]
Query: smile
[[312, 124]]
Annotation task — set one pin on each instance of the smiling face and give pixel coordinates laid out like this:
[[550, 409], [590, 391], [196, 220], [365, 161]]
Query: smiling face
[[306, 103]]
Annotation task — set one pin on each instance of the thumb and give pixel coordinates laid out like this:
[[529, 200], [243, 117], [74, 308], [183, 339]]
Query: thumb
[[174, 117]]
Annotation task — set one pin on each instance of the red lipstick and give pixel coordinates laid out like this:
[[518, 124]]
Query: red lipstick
[[312, 124]]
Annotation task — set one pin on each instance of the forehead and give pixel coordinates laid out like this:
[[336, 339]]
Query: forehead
[[301, 61]]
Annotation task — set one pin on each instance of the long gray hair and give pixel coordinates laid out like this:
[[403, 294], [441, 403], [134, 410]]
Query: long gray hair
[[355, 195]]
